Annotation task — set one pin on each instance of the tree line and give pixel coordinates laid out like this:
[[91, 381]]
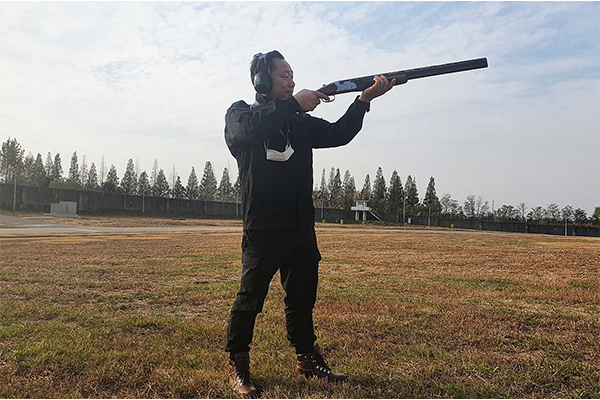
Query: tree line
[[333, 191]]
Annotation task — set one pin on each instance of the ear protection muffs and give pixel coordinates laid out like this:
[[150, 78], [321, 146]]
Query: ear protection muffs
[[263, 83]]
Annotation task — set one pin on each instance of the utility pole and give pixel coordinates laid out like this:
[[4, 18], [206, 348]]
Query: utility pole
[[15, 192], [429, 220], [404, 211]]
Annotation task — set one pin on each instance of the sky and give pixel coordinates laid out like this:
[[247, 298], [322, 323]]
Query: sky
[[153, 80]]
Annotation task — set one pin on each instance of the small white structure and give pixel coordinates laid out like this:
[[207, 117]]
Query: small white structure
[[64, 209], [361, 207]]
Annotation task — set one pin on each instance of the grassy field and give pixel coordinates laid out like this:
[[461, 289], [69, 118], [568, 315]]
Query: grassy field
[[405, 314]]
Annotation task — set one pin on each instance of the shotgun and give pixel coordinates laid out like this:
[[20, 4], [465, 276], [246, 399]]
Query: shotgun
[[360, 84]]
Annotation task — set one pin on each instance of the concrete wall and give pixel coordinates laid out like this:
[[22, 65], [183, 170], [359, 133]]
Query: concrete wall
[[39, 199]]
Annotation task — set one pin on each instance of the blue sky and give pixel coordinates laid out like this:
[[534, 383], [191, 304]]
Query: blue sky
[[153, 81]]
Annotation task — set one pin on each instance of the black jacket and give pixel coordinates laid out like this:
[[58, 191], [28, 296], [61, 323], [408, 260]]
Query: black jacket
[[278, 195]]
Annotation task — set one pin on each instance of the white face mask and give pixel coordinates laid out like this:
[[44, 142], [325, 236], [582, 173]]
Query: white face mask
[[282, 156], [274, 155]]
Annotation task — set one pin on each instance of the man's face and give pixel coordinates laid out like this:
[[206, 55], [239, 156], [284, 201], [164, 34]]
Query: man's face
[[283, 80]]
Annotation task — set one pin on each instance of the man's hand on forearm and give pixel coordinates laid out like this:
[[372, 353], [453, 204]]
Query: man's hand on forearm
[[381, 86]]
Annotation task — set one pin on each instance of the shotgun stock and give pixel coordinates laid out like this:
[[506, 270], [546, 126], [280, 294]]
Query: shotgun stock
[[360, 84]]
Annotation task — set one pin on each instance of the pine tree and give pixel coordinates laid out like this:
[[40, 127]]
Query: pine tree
[[112, 180], [412, 194], [92, 179], [144, 185], [236, 188], [349, 190], [192, 189], [225, 190], [208, 183], [161, 187], [322, 193], [178, 189], [26, 175], [74, 170], [395, 195], [129, 181], [365, 193], [11, 159], [57, 170], [49, 165], [335, 189], [379, 191], [39, 172], [431, 198]]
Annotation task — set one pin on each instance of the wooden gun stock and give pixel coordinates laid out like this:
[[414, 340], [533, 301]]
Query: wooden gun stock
[[360, 84]]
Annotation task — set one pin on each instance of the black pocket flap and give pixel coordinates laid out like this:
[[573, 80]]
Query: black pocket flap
[[250, 259]]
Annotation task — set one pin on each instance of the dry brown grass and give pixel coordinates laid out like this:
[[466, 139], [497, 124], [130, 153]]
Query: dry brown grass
[[405, 314]]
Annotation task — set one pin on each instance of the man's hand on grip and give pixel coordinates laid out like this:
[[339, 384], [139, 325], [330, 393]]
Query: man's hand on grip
[[309, 99]]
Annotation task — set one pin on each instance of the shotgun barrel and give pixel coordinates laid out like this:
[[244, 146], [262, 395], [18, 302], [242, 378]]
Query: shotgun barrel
[[363, 82]]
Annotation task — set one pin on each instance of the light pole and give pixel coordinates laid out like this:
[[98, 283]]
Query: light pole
[[429, 220]]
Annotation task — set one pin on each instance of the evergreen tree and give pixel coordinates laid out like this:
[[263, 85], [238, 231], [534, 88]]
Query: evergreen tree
[[335, 189], [379, 191], [225, 190], [11, 160], [26, 175], [129, 181], [411, 192], [236, 189], [161, 187], [395, 195], [431, 200], [144, 188], [74, 170], [365, 193], [92, 179], [192, 189], [580, 216], [49, 165], [208, 183], [178, 189], [39, 172], [349, 189], [57, 171], [322, 193], [112, 180]]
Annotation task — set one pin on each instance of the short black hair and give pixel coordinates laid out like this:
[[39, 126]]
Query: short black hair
[[256, 66]]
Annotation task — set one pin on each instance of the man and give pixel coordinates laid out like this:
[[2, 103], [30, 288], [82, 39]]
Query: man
[[272, 141]]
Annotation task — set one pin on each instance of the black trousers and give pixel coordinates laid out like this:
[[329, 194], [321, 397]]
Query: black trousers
[[295, 254]]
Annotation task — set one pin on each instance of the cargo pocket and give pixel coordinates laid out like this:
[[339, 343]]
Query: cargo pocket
[[249, 272], [250, 260]]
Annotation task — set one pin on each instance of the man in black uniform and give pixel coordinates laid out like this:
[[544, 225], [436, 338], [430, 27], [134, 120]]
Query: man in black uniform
[[272, 141]]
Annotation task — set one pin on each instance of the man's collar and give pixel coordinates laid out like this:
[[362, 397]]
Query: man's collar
[[260, 99]]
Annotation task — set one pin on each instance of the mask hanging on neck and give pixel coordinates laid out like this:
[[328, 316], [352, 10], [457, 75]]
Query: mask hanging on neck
[[281, 156]]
